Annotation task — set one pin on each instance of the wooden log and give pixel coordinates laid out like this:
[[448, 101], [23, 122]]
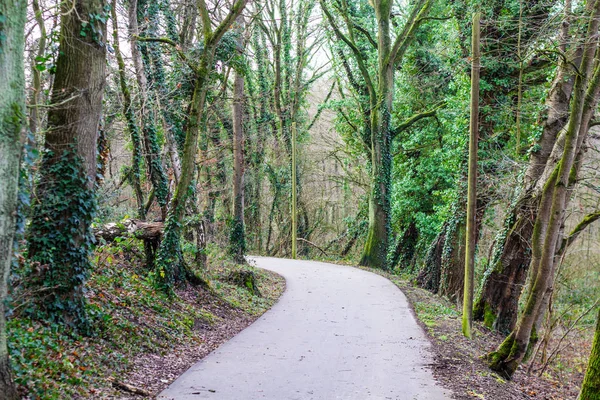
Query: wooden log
[[131, 228]]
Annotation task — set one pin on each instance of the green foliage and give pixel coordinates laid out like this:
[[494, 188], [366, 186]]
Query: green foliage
[[46, 359], [60, 239], [128, 317], [93, 27], [169, 266], [237, 239], [430, 312], [2, 34]]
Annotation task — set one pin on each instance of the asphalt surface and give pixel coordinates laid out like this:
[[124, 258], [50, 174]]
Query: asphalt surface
[[336, 333]]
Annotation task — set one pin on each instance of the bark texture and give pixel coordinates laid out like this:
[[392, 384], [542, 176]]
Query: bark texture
[[12, 115], [550, 217], [497, 304], [590, 389], [238, 235], [59, 236]]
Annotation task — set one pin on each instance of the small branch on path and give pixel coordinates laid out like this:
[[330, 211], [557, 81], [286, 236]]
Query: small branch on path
[[129, 388], [314, 245]]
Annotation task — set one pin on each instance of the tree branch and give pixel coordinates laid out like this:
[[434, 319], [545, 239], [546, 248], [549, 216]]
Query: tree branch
[[206, 28], [173, 44], [366, 34], [357, 54], [234, 13], [584, 223], [403, 40], [320, 109], [417, 117]]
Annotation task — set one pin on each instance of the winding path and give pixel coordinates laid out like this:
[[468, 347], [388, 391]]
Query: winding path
[[336, 333]]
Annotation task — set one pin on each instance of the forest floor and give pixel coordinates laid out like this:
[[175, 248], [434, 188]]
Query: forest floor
[[459, 362], [142, 339]]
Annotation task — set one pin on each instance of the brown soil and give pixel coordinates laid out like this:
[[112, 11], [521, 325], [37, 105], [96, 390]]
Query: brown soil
[[154, 372], [460, 363]]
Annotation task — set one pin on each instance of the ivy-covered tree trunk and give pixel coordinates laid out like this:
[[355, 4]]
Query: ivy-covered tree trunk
[[378, 233], [405, 248], [443, 272], [237, 239], [130, 118], [259, 96], [12, 116], [59, 236], [497, 304], [590, 389], [550, 216], [379, 91], [155, 171], [169, 266]]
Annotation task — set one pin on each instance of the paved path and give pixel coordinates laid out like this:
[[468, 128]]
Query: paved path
[[336, 333]]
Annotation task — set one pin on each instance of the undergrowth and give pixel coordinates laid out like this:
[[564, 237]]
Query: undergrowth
[[129, 317]]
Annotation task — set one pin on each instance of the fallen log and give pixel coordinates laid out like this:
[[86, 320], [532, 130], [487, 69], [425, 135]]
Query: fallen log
[[151, 231]]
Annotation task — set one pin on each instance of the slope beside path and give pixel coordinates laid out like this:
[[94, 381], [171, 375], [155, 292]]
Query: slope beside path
[[336, 333]]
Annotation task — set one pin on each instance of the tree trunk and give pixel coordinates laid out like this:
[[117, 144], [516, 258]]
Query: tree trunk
[[129, 114], [169, 267], [552, 204], [130, 228], [34, 114], [237, 241], [376, 246], [59, 237], [497, 304], [590, 389], [294, 189], [430, 276], [12, 115], [471, 223], [405, 247], [152, 149], [443, 271]]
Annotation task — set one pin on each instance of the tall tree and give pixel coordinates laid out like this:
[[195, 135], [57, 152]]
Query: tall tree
[[130, 118], [237, 240], [551, 209], [467, 317], [497, 304], [59, 235], [12, 118], [146, 60], [293, 41], [380, 91], [169, 266]]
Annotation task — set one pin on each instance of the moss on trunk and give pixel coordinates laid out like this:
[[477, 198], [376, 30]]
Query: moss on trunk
[[590, 389], [12, 115]]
